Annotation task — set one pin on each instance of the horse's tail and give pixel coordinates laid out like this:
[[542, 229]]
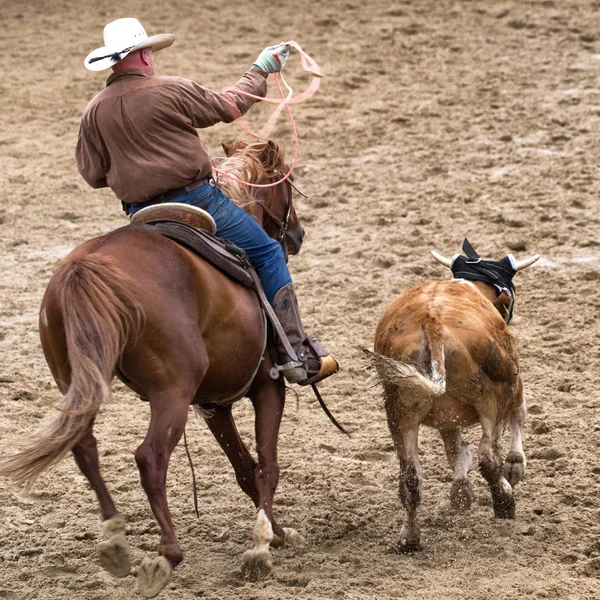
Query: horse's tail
[[100, 317]]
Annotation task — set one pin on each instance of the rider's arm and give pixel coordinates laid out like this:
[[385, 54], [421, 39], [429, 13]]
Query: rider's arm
[[205, 107], [89, 160]]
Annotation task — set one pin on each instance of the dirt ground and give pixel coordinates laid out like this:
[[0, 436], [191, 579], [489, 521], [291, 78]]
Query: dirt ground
[[437, 119]]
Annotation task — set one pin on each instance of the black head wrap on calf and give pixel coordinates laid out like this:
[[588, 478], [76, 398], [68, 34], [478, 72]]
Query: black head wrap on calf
[[496, 273]]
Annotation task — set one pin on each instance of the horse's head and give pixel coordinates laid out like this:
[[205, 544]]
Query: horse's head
[[272, 207]]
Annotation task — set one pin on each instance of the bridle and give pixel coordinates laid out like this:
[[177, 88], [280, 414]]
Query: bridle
[[284, 223]]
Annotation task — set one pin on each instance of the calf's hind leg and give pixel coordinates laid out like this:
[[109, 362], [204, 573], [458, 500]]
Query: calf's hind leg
[[514, 465], [490, 465], [404, 424], [460, 460]]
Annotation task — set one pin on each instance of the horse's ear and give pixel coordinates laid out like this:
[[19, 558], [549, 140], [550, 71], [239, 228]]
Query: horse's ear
[[272, 155], [272, 147], [227, 149]]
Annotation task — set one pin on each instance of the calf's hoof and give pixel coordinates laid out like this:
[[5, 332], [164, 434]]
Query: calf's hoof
[[113, 555], [503, 500], [461, 494], [514, 468], [153, 576], [256, 564], [407, 547], [410, 541]]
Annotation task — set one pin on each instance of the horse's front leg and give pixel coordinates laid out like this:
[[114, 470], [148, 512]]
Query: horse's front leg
[[268, 397], [220, 422], [167, 423]]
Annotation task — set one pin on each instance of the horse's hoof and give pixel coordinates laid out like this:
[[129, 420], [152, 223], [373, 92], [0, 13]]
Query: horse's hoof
[[256, 564], [114, 555], [514, 468], [153, 576], [113, 525], [461, 494], [293, 538]]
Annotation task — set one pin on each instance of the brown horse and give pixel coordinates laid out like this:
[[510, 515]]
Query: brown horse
[[179, 333]]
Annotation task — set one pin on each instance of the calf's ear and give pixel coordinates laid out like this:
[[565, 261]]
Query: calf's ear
[[502, 304]]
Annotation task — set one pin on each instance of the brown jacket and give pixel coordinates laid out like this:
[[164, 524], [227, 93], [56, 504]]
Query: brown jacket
[[138, 135]]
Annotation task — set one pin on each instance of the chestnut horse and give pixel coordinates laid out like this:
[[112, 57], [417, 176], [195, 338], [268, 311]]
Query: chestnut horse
[[180, 333]]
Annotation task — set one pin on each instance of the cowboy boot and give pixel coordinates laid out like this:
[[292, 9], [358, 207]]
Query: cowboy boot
[[314, 362]]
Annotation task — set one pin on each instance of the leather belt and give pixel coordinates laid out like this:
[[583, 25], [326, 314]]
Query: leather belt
[[170, 194]]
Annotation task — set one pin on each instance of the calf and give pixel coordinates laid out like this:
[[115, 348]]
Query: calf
[[447, 360]]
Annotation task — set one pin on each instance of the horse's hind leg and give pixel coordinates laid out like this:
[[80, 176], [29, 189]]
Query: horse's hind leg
[[113, 554], [167, 423], [268, 397], [222, 425]]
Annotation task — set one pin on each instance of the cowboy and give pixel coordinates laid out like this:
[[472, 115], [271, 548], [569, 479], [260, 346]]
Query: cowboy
[[139, 137]]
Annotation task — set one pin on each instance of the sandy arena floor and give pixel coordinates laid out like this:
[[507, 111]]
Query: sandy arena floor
[[437, 119]]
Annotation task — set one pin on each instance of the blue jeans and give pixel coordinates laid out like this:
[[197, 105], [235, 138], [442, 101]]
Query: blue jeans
[[236, 225]]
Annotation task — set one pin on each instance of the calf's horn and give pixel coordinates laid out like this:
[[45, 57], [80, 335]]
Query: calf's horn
[[522, 264], [445, 261]]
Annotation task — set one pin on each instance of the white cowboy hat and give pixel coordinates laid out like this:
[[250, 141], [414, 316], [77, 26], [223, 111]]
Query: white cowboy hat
[[122, 37]]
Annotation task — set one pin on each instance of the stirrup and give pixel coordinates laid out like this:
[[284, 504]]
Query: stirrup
[[329, 366], [296, 371]]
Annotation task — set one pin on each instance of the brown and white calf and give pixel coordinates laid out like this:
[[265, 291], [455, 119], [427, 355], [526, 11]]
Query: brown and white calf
[[447, 360]]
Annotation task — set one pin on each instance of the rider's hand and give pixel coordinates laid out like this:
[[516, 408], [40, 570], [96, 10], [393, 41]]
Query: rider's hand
[[272, 58]]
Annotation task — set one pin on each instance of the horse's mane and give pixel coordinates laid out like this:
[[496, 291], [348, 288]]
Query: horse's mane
[[250, 162]]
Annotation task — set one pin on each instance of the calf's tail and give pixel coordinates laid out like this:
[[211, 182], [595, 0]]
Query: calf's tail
[[426, 381]]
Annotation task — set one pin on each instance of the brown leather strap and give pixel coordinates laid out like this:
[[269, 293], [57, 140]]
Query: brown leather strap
[[327, 411], [273, 317]]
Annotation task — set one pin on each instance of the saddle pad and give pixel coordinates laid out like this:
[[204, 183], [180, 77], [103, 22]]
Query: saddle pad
[[222, 254]]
